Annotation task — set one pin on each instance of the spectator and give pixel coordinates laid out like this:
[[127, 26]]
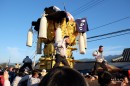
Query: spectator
[[63, 76], [124, 81], [1, 78], [12, 74], [23, 81], [34, 80], [0, 69], [104, 78], [43, 73], [6, 79], [17, 79], [27, 63]]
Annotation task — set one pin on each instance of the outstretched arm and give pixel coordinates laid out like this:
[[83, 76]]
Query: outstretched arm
[[6, 79]]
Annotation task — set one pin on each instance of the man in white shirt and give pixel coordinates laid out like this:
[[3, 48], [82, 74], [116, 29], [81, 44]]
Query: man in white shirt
[[60, 48], [100, 61]]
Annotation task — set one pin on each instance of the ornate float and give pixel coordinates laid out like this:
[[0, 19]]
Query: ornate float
[[52, 27]]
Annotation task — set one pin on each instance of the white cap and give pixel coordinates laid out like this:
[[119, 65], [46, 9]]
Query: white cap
[[87, 73], [44, 70]]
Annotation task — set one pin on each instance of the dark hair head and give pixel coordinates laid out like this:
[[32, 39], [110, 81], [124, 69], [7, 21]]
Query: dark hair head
[[27, 56], [34, 72], [104, 78], [100, 46], [63, 76], [66, 37], [20, 74]]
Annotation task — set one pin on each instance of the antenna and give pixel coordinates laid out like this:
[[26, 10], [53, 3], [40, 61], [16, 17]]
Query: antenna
[[64, 7]]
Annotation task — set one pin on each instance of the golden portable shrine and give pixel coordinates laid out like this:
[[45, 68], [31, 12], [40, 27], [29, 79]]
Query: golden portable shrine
[[52, 27]]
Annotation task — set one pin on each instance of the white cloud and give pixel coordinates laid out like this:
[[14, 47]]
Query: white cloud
[[113, 47], [113, 50], [15, 54], [13, 51], [109, 50], [91, 50]]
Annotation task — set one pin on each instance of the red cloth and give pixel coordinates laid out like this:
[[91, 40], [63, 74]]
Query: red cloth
[[1, 80], [129, 74]]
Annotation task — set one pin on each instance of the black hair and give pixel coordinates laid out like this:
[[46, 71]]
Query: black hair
[[100, 46], [21, 74], [63, 76], [66, 37], [104, 78]]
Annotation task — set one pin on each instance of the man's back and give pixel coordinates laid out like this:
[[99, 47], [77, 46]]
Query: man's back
[[27, 60], [33, 81]]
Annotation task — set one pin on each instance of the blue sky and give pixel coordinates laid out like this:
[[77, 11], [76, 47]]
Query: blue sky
[[16, 17]]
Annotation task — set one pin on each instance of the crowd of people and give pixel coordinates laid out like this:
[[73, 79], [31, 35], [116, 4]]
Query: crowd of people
[[58, 76]]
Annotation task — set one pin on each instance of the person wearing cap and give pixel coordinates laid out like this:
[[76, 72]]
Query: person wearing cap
[[100, 61], [43, 73], [60, 48]]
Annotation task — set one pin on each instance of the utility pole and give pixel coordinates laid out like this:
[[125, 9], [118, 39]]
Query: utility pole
[[34, 61], [9, 61]]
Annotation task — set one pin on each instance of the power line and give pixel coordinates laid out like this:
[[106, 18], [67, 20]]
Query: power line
[[83, 6], [111, 23], [110, 37], [33, 55], [109, 33], [88, 7]]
